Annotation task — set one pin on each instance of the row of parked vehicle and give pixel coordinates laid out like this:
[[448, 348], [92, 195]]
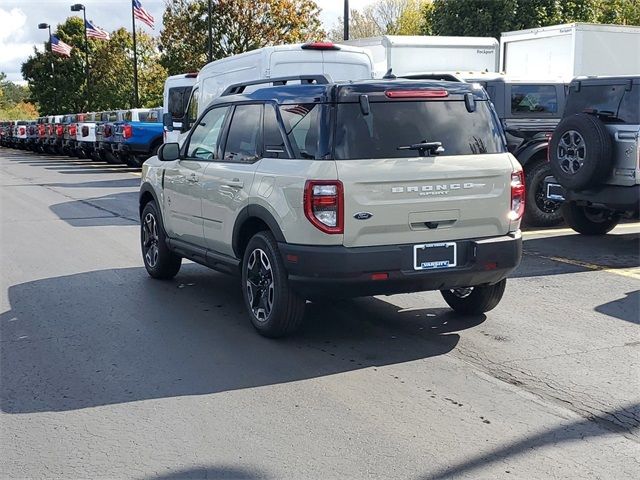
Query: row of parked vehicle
[[119, 136]]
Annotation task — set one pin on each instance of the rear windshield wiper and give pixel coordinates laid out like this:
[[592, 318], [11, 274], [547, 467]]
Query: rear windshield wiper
[[425, 149]]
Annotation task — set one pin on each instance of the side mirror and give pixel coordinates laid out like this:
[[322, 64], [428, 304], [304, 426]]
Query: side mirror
[[168, 152], [167, 121]]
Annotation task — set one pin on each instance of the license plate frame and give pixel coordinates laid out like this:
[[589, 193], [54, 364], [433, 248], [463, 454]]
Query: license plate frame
[[450, 260]]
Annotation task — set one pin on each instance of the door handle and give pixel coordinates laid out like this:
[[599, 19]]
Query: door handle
[[236, 183]]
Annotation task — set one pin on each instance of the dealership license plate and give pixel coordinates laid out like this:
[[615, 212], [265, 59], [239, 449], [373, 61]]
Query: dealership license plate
[[433, 256]]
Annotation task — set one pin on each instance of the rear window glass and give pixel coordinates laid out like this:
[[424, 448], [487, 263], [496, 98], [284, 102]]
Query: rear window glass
[[534, 99], [301, 126], [178, 99], [612, 102], [153, 116], [396, 124]]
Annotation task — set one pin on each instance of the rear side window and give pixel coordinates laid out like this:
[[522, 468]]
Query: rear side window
[[273, 141], [128, 116], [244, 134], [178, 98], [142, 116], [613, 103], [534, 99], [301, 126], [153, 116], [390, 125]]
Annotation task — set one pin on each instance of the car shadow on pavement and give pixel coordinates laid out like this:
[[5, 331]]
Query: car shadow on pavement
[[132, 182], [606, 251], [625, 308], [210, 472], [115, 336], [113, 209], [577, 431]]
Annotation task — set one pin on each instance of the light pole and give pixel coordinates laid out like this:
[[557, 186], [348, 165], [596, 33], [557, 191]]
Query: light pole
[[346, 19], [210, 33], [76, 8], [45, 26]]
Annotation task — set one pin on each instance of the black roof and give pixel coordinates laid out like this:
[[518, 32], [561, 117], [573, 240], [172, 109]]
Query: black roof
[[348, 91]]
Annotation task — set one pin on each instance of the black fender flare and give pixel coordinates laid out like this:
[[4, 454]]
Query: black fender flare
[[530, 152], [255, 211], [146, 189]]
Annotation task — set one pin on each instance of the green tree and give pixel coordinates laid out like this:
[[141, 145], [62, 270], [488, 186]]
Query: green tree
[[57, 83], [112, 72], [238, 26], [491, 17]]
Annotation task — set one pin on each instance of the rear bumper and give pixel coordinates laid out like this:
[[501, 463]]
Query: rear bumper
[[612, 197], [132, 148], [346, 272]]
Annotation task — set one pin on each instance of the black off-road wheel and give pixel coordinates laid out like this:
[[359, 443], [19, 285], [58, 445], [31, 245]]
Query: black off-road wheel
[[580, 152], [589, 220], [274, 308], [475, 300], [159, 261], [539, 211]]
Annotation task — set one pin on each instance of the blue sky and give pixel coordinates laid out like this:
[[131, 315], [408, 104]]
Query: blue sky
[[19, 20]]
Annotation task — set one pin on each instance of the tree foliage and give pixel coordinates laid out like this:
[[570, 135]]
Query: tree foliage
[[491, 17], [57, 84], [13, 104], [237, 25], [384, 17]]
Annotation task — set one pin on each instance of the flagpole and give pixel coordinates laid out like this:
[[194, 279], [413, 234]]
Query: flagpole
[[75, 8], [135, 60]]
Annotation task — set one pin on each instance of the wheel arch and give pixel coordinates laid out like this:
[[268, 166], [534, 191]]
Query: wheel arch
[[533, 153], [251, 220], [147, 194]]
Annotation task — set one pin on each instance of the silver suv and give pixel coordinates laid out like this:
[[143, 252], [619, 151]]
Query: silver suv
[[309, 189], [595, 154]]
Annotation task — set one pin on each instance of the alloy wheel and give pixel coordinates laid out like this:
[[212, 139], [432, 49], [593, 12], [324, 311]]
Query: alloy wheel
[[571, 152], [150, 239], [260, 285]]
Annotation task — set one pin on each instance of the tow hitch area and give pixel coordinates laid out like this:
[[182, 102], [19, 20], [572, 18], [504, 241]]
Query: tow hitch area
[[553, 190]]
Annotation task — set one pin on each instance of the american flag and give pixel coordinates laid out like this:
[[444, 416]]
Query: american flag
[[94, 31], [141, 14], [60, 47]]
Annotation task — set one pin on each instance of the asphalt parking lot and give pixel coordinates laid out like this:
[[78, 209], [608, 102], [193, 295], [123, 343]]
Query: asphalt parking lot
[[105, 372]]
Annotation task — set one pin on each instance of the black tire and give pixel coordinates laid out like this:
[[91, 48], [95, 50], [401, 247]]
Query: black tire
[[589, 220], [274, 308], [476, 301], [538, 211], [111, 158], [581, 152], [161, 263]]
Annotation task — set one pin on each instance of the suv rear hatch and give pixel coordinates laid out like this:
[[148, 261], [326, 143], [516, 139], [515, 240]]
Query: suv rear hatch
[[397, 193]]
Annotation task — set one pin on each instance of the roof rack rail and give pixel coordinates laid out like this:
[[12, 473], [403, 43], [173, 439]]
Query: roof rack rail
[[308, 79]]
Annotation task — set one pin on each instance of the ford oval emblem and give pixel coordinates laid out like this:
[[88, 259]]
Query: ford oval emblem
[[363, 216]]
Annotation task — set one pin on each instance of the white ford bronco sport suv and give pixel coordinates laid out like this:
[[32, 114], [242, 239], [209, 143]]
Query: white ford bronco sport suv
[[310, 189]]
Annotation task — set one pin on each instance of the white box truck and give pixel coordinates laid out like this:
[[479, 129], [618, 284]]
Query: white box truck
[[414, 54], [567, 51]]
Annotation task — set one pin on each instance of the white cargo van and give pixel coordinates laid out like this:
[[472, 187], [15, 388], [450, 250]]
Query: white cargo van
[[177, 90], [411, 54], [564, 52], [340, 62]]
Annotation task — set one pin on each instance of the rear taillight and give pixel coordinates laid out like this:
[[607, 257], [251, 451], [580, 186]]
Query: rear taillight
[[59, 130], [517, 196], [127, 131], [22, 131], [72, 130], [324, 205]]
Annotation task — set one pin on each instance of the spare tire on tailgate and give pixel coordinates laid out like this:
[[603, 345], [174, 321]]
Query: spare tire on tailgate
[[580, 152]]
